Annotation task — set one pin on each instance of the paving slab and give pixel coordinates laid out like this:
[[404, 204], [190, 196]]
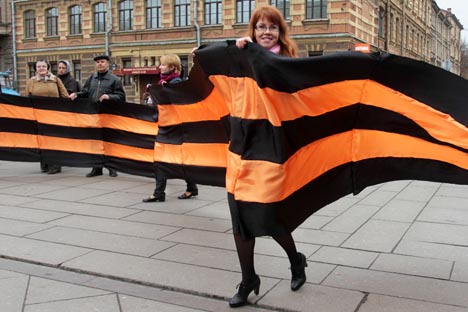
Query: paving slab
[[13, 293], [352, 219], [105, 303], [136, 229], [32, 215], [399, 285], [344, 256], [20, 228], [399, 210], [102, 241], [378, 303], [377, 235], [171, 275], [312, 298]]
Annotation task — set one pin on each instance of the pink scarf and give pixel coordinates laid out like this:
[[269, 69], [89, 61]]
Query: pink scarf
[[275, 49], [168, 77]]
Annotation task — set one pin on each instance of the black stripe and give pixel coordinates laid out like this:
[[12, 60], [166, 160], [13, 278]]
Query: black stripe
[[214, 176], [260, 140], [283, 217], [18, 125], [426, 83], [211, 131]]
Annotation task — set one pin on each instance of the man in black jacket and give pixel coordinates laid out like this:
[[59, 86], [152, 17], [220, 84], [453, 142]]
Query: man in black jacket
[[100, 87]]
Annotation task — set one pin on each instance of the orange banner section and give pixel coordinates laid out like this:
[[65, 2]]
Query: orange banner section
[[17, 112], [19, 140], [196, 154], [129, 124], [79, 120], [269, 104], [210, 108], [253, 181]]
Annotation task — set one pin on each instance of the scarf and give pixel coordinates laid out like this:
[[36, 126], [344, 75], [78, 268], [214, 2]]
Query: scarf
[[49, 76], [275, 49], [168, 77]]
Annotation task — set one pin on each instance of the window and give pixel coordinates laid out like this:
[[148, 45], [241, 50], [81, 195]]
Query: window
[[397, 30], [181, 12], [29, 24], [75, 20], [53, 67], [391, 28], [381, 22], [52, 22], [127, 79], [153, 14], [244, 10], [213, 9], [126, 15], [32, 69], [77, 70], [316, 9], [283, 6], [99, 12]]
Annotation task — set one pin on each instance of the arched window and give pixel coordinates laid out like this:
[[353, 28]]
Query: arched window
[[30, 24], [52, 21], [126, 15], [99, 12], [75, 19]]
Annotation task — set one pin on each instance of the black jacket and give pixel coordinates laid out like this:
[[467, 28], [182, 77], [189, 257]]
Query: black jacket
[[70, 83], [108, 84]]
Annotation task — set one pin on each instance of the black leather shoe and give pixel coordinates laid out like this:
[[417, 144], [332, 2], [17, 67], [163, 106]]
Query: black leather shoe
[[112, 173], [298, 273], [190, 195], [240, 298], [54, 171], [153, 199], [94, 173]]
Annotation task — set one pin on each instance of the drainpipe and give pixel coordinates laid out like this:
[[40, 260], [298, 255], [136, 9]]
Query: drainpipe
[[109, 28], [195, 21], [13, 33]]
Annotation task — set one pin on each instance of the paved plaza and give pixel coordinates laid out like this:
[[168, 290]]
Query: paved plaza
[[74, 244]]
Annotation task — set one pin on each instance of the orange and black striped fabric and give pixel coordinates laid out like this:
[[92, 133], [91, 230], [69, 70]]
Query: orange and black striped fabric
[[305, 132], [284, 136], [77, 133]]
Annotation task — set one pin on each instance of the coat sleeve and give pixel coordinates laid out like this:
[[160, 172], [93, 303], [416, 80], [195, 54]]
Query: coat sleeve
[[119, 93], [61, 88]]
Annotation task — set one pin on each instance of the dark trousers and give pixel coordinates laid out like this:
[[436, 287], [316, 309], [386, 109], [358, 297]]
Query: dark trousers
[[161, 183]]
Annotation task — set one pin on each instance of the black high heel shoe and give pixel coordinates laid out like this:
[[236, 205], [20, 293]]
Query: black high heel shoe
[[298, 273], [240, 298]]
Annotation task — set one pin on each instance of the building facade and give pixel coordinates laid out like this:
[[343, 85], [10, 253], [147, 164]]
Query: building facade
[[6, 45], [135, 33]]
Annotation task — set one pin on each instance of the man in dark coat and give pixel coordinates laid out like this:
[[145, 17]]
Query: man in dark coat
[[101, 86]]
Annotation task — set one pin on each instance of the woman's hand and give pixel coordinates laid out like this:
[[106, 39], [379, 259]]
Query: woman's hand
[[241, 42]]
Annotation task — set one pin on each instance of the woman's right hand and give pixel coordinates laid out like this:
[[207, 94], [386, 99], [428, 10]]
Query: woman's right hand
[[241, 42]]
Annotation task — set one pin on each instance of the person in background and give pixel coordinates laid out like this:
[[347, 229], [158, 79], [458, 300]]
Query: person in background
[[170, 73], [268, 29], [63, 72], [44, 83], [102, 86]]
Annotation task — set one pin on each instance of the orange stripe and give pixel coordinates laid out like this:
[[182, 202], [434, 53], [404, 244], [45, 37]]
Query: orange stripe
[[79, 120], [210, 108], [15, 140], [256, 103], [196, 154], [19, 140], [266, 182], [17, 112]]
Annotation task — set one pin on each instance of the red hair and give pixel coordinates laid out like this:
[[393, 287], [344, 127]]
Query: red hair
[[287, 45]]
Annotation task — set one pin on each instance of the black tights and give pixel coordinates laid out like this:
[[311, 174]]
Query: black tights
[[245, 251]]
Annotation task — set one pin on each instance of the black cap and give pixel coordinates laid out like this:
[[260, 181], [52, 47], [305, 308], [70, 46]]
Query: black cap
[[101, 57]]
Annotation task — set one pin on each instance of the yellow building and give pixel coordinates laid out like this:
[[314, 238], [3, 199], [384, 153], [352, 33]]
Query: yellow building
[[135, 33]]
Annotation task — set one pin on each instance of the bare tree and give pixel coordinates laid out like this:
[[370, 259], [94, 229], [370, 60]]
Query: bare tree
[[464, 60]]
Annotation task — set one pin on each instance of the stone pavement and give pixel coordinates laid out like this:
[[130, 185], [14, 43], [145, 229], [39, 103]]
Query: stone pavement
[[70, 243]]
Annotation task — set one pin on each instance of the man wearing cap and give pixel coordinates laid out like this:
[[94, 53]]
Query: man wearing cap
[[101, 86]]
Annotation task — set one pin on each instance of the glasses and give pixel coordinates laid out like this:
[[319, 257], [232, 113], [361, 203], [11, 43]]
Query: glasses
[[264, 28]]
